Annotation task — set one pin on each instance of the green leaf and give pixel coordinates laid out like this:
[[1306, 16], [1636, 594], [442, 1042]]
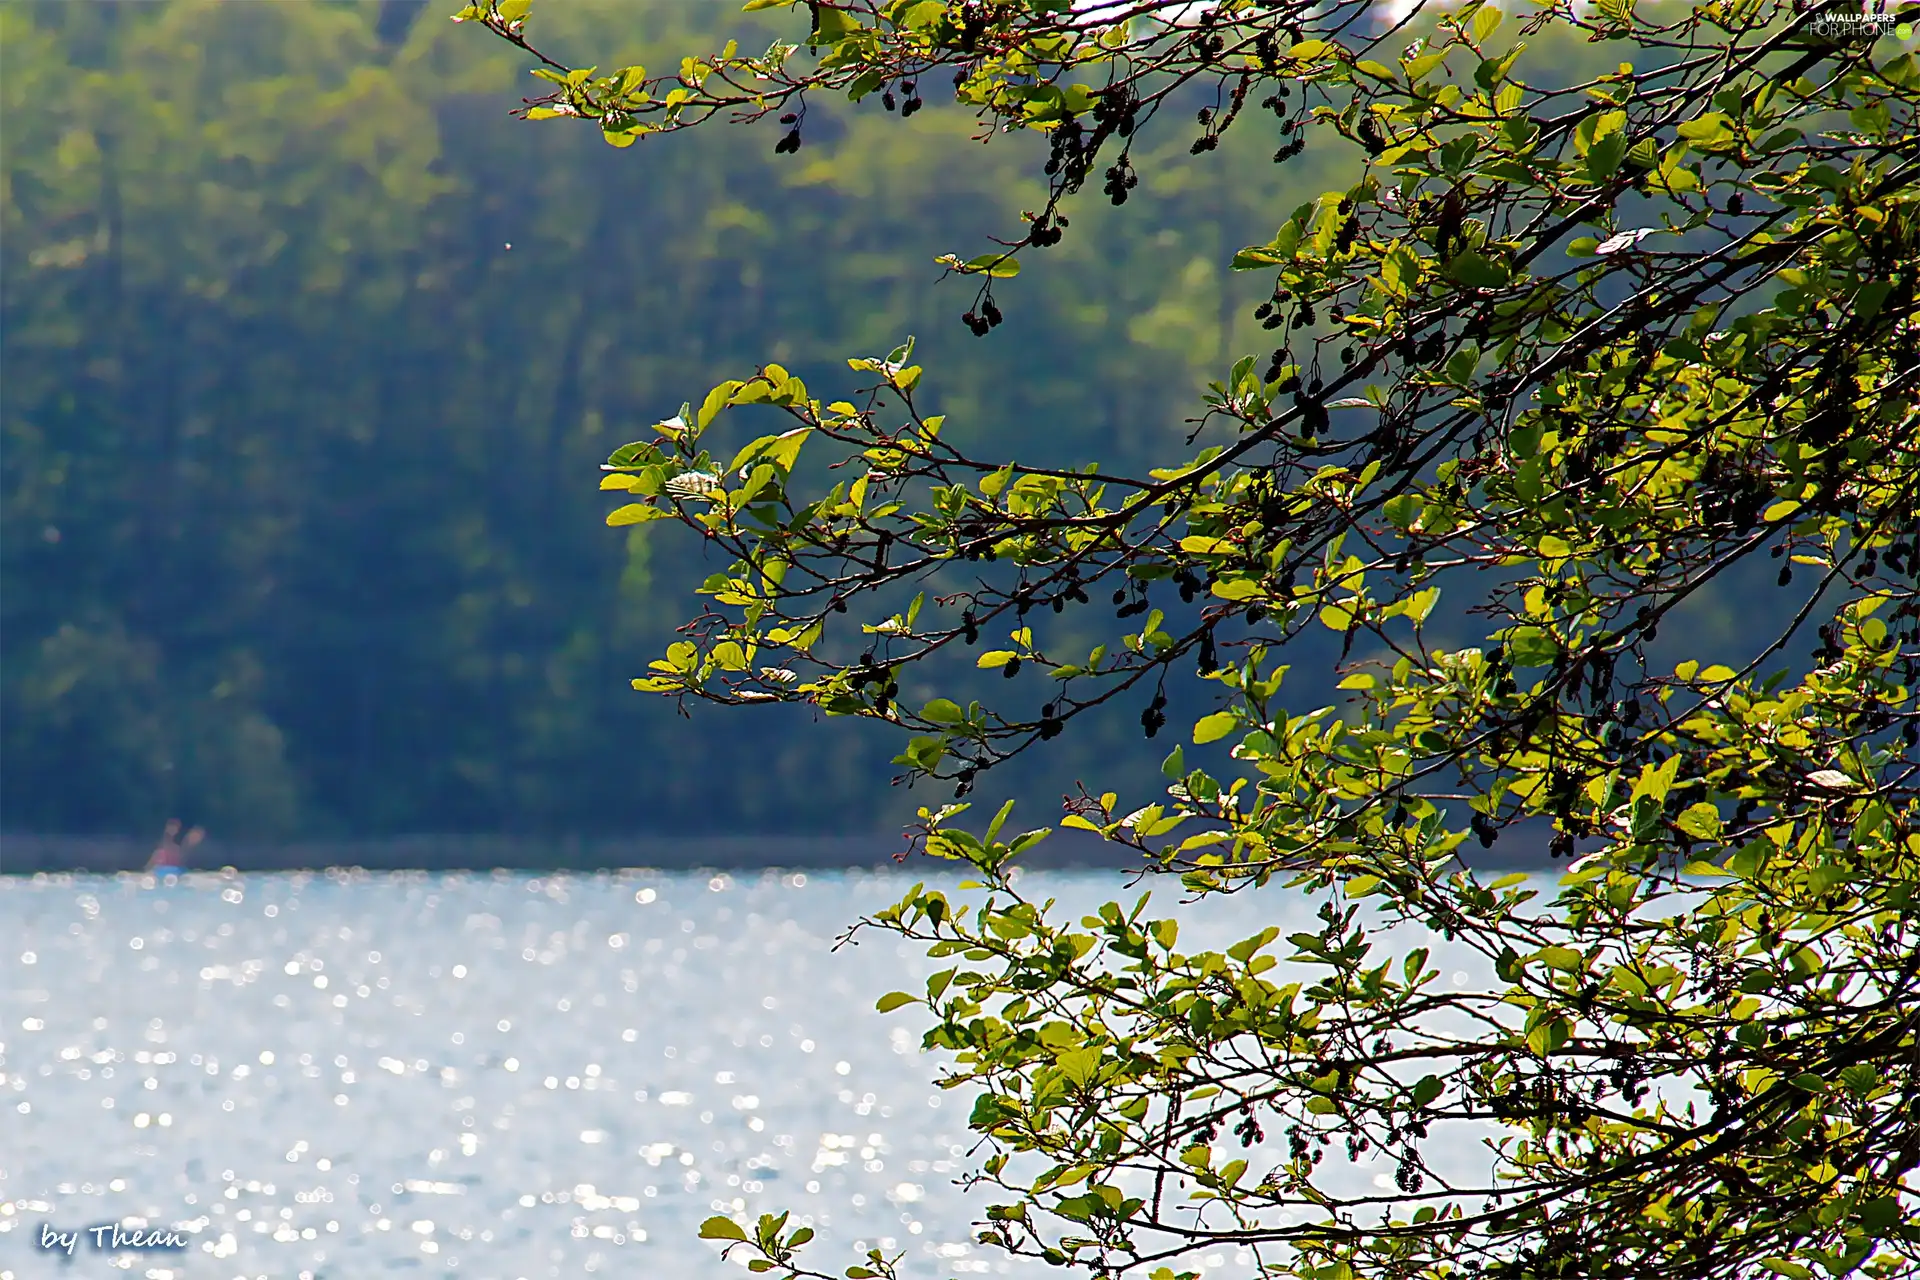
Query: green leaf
[[1605, 155], [1701, 821], [1531, 647], [719, 1228], [1879, 1214], [893, 1000], [1485, 22], [1549, 1035], [1398, 272], [1000, 819], [1461, 366], [1477, 270], [1420, 604], [1709, 130], [1402, 510], [634, 513], [924, 751], [1656, 781], [943, 711], [636, 454], [833, 26], [1080, 1065], [999, 266], [1565, 959], [1214, 727], [758, 391]]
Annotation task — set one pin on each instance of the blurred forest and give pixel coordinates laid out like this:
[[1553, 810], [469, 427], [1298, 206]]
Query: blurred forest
[[311, 352], [300, 526]]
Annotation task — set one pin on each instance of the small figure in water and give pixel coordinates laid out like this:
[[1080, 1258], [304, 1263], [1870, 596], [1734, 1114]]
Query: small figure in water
[[170, 855]]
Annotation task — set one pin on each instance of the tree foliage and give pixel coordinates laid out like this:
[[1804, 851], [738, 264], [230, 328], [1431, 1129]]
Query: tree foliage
[[1574, 344]]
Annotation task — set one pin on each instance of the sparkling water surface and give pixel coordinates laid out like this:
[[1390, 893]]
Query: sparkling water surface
[[483, 1075]]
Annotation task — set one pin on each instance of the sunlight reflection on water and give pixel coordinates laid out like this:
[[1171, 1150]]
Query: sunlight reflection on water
[[487, 1075]]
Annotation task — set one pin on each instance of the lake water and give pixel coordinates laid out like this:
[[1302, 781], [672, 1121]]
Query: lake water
[[472, 1075]]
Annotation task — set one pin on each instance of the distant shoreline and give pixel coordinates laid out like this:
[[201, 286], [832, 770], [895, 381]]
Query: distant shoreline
[[23, 855]]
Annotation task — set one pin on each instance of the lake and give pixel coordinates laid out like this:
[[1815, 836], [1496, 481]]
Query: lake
[[346, 1075]]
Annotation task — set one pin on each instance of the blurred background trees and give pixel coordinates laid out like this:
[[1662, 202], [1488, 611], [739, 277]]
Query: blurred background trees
[[298, 530]]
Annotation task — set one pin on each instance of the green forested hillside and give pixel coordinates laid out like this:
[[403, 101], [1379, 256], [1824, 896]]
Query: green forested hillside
[[299, 526]]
